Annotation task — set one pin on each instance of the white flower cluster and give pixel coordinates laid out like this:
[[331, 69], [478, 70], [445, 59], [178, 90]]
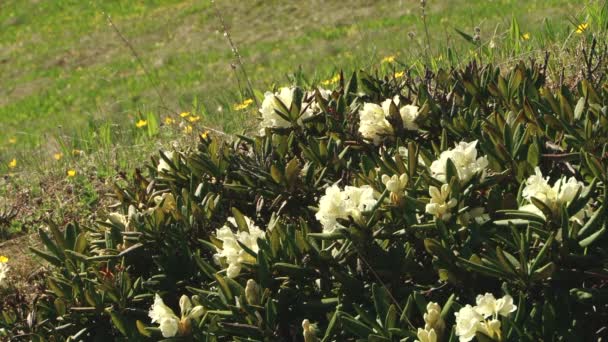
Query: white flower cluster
[[562, 192], [168, 322], [464, 157], [233, 254], [484, 317], [434, 325], [396, 185], [373, 123], [336, 203], [3, 270], [441, 203], [270, 106]]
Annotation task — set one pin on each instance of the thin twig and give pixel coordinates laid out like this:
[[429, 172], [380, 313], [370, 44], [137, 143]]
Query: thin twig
[[139, 60], [235, 51]]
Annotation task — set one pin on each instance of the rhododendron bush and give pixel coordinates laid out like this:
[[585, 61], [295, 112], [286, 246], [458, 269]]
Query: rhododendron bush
[[468, 205]]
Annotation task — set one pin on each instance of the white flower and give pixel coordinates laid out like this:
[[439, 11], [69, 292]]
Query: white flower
[[467, 323], [426, 335], [373, 124], [432, 318], [488, 306], [233, 253], [169, 323], [440, 205], [562, 192], [164, 316], [490, 328], [4, 269], [309, 331], [162, 164], [395, 184], [312, 107], [270, 105], [408, 113], [331, 207], [464, 157], [335, 204]]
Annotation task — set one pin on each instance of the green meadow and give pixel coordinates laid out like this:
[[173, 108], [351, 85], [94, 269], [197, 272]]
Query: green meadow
[[76, 77], [66, 72]]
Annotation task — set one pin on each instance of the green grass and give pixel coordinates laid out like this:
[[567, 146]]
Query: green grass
[[68, 82]]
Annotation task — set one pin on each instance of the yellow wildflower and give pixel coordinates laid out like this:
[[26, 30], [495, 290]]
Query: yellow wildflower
[[169, 121], [184, 114], [525, 36], [243, 105], [389, 59], [188, 129], [13, 163], [194, 118], [12, 140], [3, 259], [399, 74], [204, 135], [582, 28], [71, 173], [141, 123], [58, 156], [332, 80]]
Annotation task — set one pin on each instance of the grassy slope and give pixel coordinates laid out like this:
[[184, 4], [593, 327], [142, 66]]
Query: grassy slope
[[62, 65], [67, 81]]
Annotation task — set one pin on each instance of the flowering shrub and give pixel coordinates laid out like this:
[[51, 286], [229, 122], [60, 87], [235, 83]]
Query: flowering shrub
[[348, 216]]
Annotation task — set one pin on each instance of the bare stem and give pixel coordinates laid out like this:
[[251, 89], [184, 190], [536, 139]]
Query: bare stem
[[139, 60], [235, 51]]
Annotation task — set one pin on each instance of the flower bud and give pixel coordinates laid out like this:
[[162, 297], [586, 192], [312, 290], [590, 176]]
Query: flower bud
[[309, 331], [185, 327], [252, 292]]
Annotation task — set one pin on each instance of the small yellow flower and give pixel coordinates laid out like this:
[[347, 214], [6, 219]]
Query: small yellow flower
[[188, 129], [582, 28], [12, 164], [399, 74], [332, 80], [389, 59], [169, 121], [194, 118], [243, 105], [141, 123], [12, 140], [58, 156], [3, 259], [204, 135], [525, 36], [71, 173], [184, 114]]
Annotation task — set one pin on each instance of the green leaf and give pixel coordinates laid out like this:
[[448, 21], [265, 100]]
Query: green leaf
[[355, 327], [81, 243], [591, 238], [141, 328], [119, 323], [240, 220], [47, 256], [331, 326], [381, 300]]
